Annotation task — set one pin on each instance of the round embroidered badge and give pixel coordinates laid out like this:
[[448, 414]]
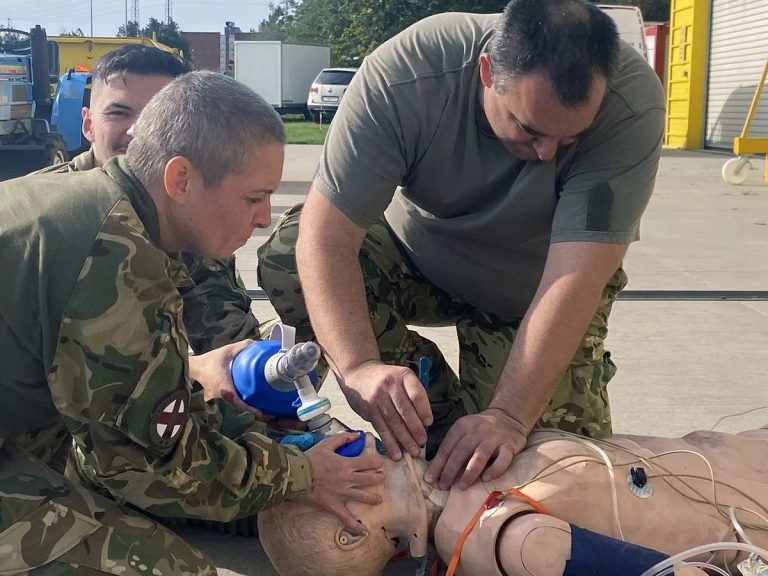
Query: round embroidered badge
[[168, 419]]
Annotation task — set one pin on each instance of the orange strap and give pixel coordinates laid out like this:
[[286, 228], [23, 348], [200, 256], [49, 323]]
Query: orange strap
[[493, 500]]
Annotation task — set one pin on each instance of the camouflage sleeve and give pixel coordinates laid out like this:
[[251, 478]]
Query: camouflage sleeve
[[217, 308], [61, 168], [120, 379], [84, 161]]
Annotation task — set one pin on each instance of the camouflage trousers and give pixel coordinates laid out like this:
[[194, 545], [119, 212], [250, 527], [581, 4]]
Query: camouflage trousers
[[398, 296], [50, 526]]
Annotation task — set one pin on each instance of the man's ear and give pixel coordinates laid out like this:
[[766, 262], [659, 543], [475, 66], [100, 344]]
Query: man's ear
[[485, 70], [87, 124], [179, 179]]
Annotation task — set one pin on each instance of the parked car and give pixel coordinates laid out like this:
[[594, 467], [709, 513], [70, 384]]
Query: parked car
[[327, 90]]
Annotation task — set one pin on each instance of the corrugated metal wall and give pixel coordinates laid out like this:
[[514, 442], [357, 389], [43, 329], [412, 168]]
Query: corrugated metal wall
[[738, 52]]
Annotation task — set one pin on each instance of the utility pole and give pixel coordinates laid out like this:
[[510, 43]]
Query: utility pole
[[229, 53], [135, 12], [168, 11], [91, 18]]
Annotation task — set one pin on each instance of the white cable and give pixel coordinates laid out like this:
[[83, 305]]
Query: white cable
[[595, 448], [594, 445], [707, 565], [723, 418], [737, 526], [763, 518], [657, 569]]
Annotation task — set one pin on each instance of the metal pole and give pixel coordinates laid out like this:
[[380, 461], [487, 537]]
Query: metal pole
[[126, 18], [91, 18]]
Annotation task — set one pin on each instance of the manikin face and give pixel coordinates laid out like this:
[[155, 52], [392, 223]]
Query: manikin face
[[115, 105], [217, 220], [528, 119], [303, 540]]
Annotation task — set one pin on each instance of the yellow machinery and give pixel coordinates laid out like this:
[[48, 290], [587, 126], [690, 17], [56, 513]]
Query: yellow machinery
[[734, 170], [81, 53], [72, 60]]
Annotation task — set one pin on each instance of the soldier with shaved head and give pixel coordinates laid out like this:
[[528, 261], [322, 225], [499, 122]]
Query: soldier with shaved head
[[93, 348]]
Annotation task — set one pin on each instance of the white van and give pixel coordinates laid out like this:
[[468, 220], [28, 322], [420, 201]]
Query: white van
[[629, 22]]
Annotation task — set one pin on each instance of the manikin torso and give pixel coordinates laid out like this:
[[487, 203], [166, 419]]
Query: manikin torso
[[572, 482]]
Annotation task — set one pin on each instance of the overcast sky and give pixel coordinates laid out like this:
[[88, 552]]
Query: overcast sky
[[57, 16]]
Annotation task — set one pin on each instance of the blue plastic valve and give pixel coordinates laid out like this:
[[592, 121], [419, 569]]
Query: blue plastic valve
[[353, 448]]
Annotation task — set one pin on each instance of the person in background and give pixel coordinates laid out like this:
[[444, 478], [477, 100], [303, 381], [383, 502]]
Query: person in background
[[217, 308]]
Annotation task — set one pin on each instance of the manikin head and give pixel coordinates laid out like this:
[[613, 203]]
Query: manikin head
[[301, 539], [545, 73], [124, 80]]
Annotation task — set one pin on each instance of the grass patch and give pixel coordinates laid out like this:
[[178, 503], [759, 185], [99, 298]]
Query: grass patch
[[301, 131]]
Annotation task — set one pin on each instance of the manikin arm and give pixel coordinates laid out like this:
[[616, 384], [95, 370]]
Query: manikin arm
[[541, 545]]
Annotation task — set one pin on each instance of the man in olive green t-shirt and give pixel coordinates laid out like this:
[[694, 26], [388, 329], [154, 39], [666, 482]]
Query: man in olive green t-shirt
[[486, 172]]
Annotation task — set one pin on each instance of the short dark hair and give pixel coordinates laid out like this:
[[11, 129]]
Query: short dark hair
[[139, 59], [570, 40]]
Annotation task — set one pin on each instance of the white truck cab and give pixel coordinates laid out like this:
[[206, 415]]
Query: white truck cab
[[629, 22]]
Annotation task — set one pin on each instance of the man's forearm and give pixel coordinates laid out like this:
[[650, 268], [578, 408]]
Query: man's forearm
[[554, 326], [543, 348], [333, 287]]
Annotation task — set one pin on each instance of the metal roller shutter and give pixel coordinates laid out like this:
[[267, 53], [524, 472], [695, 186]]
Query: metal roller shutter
[[738, 51]]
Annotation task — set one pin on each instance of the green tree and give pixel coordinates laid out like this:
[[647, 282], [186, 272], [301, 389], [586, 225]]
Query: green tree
[[167, 33], [131, 30], [353, 28], [14, 41], [653, 10], [77, 32], [276, 25]]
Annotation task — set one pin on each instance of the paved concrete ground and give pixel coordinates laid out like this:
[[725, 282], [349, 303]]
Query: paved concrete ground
[[682, 364]]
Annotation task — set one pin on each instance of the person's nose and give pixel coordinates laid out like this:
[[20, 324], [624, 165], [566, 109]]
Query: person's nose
[[545, 148], [129, 132], [262, 215]]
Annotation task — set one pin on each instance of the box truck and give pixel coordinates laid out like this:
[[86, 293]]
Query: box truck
[[629, 23], [280, 72]]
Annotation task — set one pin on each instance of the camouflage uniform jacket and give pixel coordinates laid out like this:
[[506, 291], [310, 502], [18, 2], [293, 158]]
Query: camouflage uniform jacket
[[84, 161], [217, 308], [91, 341]]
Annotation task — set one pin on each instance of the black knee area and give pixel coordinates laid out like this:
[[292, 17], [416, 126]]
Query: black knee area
[[595, 554]]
